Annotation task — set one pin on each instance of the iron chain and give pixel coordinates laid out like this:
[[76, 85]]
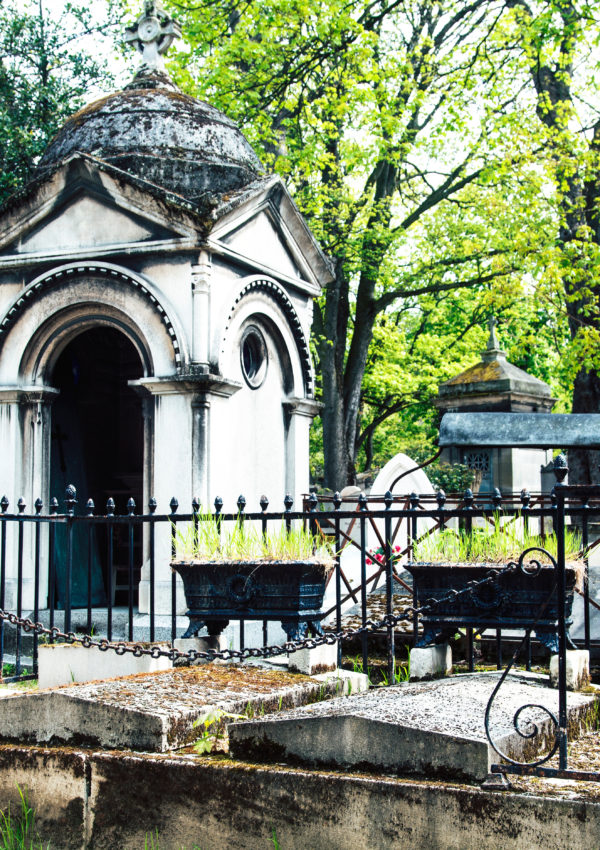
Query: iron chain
[[121, 648]]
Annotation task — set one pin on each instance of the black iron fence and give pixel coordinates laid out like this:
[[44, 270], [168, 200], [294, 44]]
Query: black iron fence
[[65, 561], [54, 555]]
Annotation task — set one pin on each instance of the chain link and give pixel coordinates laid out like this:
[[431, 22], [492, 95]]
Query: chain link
[[329, 637]]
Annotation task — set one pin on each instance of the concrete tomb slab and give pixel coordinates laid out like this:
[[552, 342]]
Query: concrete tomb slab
[[431, 728], [64, 663], [155, 712]]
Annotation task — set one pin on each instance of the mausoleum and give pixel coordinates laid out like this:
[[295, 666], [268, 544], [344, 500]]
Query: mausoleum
[[494, 385], [156, 296]]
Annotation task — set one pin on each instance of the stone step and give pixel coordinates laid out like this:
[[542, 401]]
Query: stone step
[[435, 729]]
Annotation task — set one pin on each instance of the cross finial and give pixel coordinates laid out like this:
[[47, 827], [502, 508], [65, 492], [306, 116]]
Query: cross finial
[[493, 340], [152, 34]]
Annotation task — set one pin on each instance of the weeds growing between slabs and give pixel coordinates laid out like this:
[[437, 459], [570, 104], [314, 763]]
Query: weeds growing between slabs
[[17, 829]]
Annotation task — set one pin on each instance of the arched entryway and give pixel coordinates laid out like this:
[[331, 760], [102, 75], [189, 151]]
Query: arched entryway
[[97, 444]]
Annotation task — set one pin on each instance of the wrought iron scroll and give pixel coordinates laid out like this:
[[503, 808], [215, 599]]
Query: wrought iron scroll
[[531, 569]]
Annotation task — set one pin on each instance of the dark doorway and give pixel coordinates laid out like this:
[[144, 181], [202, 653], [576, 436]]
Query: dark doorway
[[97, 445]]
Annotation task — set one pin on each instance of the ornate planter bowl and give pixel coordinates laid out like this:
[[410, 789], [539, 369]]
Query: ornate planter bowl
[[289, 591], [513, 602]]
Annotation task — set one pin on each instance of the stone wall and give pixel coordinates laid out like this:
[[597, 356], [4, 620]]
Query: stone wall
[[97, 801]]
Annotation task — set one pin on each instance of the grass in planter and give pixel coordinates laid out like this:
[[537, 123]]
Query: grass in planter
[[494, 545], [243, 541]]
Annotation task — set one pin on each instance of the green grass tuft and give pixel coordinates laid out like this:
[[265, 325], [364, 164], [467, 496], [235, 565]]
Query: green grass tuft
[[17, 832], [495, 544], [207, 540]]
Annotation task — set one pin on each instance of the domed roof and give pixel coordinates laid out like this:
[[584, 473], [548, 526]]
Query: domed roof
[[154, 131]]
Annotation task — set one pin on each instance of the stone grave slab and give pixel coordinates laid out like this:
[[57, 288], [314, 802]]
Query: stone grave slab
[[435, 728], [155, 712]]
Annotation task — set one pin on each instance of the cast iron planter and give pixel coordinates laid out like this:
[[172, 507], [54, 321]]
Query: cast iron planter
[[289, 591], [514, 602]]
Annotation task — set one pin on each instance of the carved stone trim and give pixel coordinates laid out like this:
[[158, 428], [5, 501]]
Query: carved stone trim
[[29, 295], [274, 291]]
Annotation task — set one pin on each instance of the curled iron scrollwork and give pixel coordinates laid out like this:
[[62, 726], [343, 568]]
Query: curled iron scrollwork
[[534, 566], [531, 569]]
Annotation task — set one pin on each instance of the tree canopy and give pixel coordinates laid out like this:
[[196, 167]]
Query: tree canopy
[[444, 153], [411, 136], [46, 74]]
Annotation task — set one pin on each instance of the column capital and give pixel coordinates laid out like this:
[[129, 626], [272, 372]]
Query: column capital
[[201, 273], [303, 406], [195, 383], [27, 395]]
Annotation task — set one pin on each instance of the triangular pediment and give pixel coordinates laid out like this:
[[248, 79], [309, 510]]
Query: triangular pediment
[[88, 222], [258, 239], [86, 206], [261, 227]]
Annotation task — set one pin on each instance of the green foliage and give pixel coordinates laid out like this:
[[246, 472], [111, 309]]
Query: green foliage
[[409, 137], [450, 477], [17, 831], [496, 543], [443, 154], [45, 75], [213, 728], [152, 842], [209, 539], [377, 674]]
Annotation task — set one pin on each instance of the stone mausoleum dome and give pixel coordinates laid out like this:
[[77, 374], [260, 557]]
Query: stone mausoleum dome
[[154, 131]]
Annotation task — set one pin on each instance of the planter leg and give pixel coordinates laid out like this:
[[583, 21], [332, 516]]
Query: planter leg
[[216, 627], [295, 630], [193, 628], [429, 662], [578, 669]]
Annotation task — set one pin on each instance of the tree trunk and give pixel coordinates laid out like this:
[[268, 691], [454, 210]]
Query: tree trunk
[[583, 463]]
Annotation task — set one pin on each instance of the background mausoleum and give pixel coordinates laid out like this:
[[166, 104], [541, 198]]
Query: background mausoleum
[[494, 385]]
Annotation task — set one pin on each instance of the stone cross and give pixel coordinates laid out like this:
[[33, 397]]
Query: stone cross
[[493, 340], [152, 34]]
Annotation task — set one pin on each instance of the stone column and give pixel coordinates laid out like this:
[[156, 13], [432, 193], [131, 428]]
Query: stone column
[[201, 274], [178, 465], [25, 472], [300, 413], [170, 465], [200, 450]]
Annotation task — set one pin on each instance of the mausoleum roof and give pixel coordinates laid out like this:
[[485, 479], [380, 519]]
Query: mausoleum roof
[[154, 131], [494, 383]]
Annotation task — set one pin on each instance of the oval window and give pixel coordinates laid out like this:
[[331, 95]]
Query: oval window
[[253, 356]]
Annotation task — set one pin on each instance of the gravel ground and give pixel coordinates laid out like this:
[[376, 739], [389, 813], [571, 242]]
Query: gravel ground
[[376, 609], [584, 754]]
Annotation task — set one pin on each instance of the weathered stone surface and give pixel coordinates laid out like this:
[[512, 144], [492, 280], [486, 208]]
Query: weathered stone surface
[[321, 659], [55, 783], [161, 135], [156, 712], [428, 728], [62, 664], [541, 430], [103, 801]]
